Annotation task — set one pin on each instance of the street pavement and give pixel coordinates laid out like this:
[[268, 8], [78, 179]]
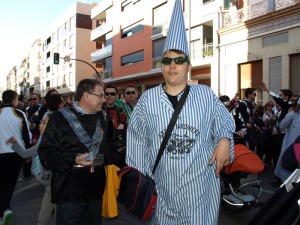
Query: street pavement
[[28, 195]]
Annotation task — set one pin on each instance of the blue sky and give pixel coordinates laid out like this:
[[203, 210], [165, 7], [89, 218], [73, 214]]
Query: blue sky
[[21, 23]]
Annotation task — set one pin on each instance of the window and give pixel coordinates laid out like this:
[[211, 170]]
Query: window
[[125, 5], [70, 79], [135, 28], [132, 58], [295, 74], [71, 41], [158, 47]]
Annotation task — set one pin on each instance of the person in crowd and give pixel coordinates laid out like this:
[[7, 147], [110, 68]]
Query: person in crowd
[[283, 101], [33, 119], [117, 141], [78, 174], [119, 120], [246, 107], [293, 102], [270, 120], [200, 145], [291, 123], [240, 126], [258, 130], [55, 102], [131, 98], [235, 101], [21, 101], [47, 207], [13, 122], [44, 107]]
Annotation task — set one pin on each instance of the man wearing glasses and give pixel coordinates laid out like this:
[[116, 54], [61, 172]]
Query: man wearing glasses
[[131, 98], [117, 141], [246, 108], [78, 174], [34, 122]]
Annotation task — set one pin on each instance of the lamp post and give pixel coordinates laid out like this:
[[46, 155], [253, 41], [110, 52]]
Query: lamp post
[[67, 59]]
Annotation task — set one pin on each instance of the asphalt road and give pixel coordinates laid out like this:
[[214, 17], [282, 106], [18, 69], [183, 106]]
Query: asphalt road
[[28, 195]]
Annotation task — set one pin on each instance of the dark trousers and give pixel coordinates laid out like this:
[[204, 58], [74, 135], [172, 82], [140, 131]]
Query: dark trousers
[[10, 166], [276, 146], [79, 213], [27, 167]]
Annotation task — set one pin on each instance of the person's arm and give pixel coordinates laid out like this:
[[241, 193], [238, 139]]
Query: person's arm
[[223, 129], [25, 153], [287, 120], [136, 144]]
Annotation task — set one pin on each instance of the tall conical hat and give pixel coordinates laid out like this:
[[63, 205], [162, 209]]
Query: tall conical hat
[[176, 37]]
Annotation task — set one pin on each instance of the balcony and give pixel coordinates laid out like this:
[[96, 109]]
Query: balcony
[[99, 33], [159, 31], [101, 54], [202, 55], [156, 3], [259, 9], [106, 74], [99, 11]]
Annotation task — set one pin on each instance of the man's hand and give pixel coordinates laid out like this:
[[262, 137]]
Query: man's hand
[[80, 160], [221, 155], [241, 133], [264, 87], [11, 140]]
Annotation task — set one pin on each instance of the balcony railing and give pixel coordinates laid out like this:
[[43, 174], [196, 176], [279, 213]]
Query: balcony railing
[[256, 10], [101, 30], [106, 74], [100, 8], [101, 54], [160, 30]]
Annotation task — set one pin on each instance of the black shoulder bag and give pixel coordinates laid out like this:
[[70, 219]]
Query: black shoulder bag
[[141, 194]]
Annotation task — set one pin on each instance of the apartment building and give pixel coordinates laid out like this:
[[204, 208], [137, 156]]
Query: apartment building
[[130, 37], [70, 37], [261, 42], [228, 52]]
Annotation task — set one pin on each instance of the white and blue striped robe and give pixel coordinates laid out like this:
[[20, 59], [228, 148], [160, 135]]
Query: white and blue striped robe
[[188, 189]]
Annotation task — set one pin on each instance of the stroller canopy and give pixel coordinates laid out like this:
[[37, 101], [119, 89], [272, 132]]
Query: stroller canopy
[[245, 160]]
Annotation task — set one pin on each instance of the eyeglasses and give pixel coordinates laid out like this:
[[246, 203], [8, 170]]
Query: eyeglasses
[[110, 93], [32, 99], [130, 92], [99, 96], [177, 60]]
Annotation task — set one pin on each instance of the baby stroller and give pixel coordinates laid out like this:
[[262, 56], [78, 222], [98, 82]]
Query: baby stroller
[[240, 186]]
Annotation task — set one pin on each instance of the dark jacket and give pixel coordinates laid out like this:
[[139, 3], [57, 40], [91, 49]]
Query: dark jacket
[[58, 149]]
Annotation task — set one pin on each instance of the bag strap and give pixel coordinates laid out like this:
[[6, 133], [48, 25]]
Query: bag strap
[[171, 126]]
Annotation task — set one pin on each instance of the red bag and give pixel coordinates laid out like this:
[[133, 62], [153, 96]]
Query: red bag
[[141, 194]]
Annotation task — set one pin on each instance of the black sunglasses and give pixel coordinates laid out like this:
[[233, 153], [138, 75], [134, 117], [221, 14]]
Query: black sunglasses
[[110, 93], [32, 99], [130, 92], [177, 60]]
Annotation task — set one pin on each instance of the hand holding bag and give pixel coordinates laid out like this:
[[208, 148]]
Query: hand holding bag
[[141, 194]]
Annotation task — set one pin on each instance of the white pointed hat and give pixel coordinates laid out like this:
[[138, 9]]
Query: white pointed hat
[[176, 37]]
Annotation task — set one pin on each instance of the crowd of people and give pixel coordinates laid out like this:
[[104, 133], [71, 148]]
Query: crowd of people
[[70, 144], [267, 129]]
